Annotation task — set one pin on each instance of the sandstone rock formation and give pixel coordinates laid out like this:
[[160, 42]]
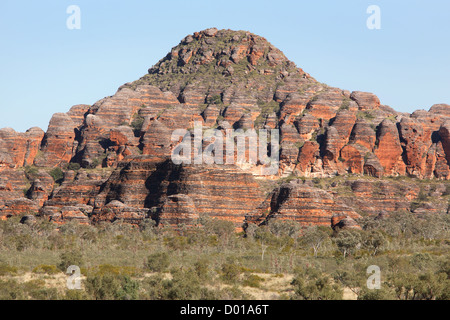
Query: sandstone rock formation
[[115, 154]]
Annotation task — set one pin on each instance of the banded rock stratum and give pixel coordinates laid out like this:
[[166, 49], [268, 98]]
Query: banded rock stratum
[[342, 154]]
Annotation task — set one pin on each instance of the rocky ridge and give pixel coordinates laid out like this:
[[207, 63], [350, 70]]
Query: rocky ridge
[[114, 157]]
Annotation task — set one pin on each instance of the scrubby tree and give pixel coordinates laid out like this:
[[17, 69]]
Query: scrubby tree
[[264, 237], [68, 258], [348, 241], [311, 284], [112, 287], [158, 262], [224, 230], [314, 237], [373, 241]]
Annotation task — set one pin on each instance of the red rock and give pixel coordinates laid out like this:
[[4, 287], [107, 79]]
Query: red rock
[[343, 122], [306, 126], [444, 133], [19, 149], [157, 140], [363, 134], [372, 166], [441, 170], [365, 100], [294, 104], [178, 209], [233, 113], [78, 113], [77, 189], [58, 143], [308, 157], [389, 150], [18, 206], [144, 183], [41, 188], [69, 213], [306, 205], [415, 146], [353, 157], [124, 143], [338, 223], [441, 109], [373, 196], [326, 104], [320, 137], [288, 133], [210, 115]]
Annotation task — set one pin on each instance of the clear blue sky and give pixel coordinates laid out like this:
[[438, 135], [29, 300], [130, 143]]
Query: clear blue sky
[[47, 68]]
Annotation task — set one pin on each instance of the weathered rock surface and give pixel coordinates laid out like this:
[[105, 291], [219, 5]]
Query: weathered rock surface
[[228, 80], [19, 149], [304, 204]]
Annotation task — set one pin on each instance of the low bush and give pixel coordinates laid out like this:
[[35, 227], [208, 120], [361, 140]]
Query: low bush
[[158, 262], [46, 269]]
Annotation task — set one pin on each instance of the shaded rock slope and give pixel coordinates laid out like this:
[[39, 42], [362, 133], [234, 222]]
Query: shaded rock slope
[[342, 154]]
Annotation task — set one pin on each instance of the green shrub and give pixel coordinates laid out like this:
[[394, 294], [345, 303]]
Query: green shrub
[[36, 290], [137, 123], [112, 287], [158, 262], [201, 268], [6, 269], [75, 295], [176, 243], [11, 290], [185, 285], [230, 272], [311, 284], [73, 166], [105, 269], [253, 280], [70, 258], [57, 174], [215, 99], [31, 171], [46, 269]]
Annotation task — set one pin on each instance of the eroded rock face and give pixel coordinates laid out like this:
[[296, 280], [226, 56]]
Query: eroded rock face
[[58, 143], [228, 80], [365, 100], [389, 150], [326, 104], [12, 186], [344, 223], [300, 202], [363, 134], [19, 149], [371, 196], [41, 188], [178, 209]]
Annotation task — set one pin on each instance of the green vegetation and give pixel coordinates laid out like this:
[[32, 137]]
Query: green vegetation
[[137, 123], [158, 262], [73, 166], [345, 104], [367, 115], [211, 261], [31, 172], [57, 174], [215, 99]]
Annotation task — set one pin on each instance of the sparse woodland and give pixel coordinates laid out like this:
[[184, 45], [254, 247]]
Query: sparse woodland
[[212, 261]]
